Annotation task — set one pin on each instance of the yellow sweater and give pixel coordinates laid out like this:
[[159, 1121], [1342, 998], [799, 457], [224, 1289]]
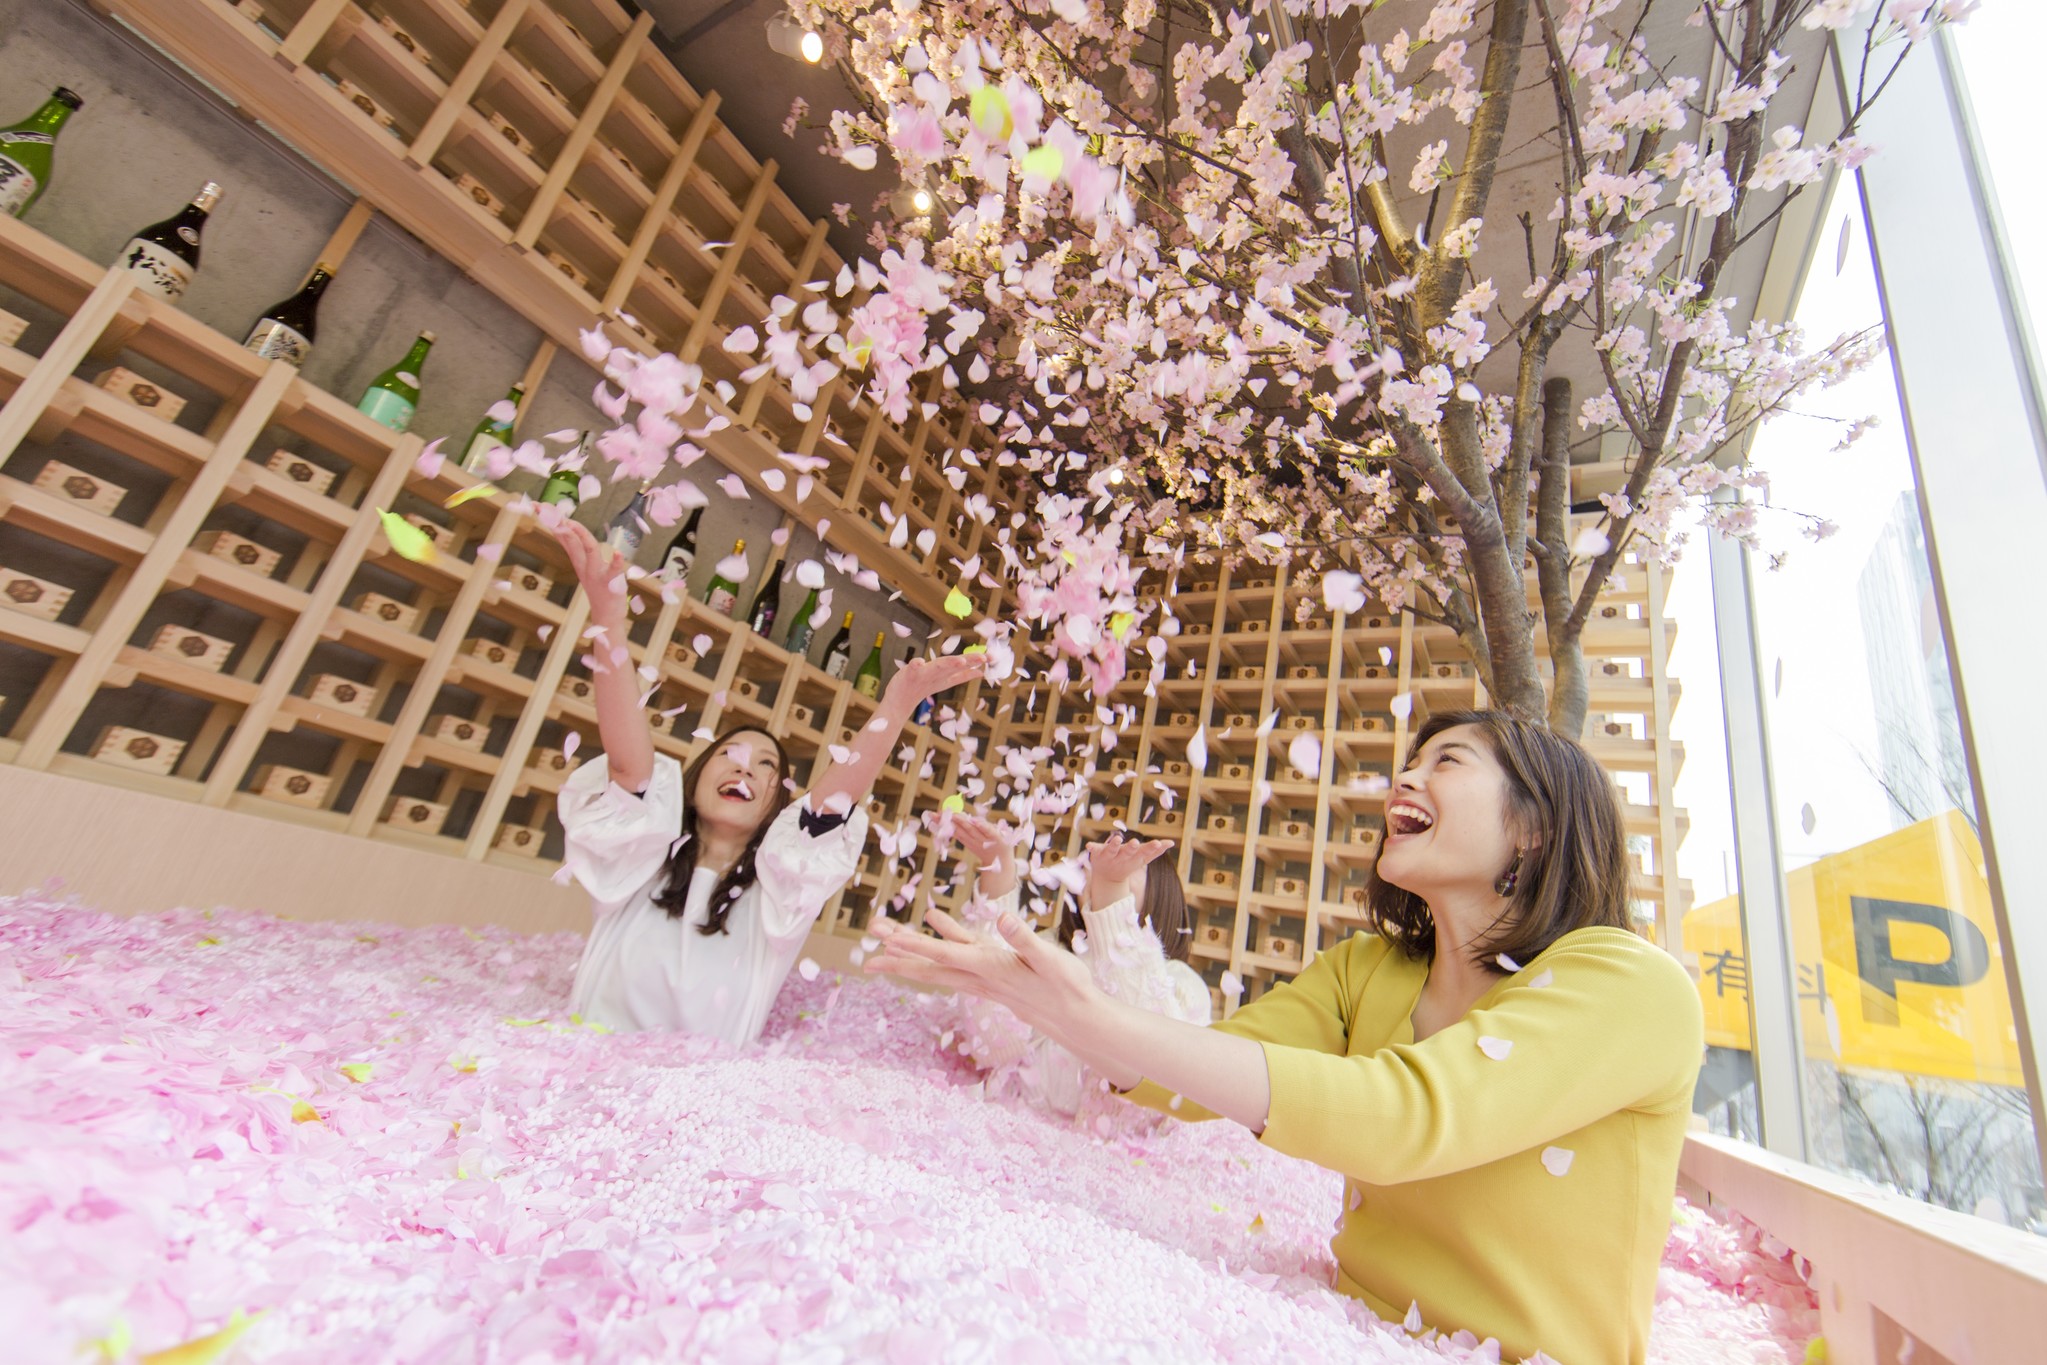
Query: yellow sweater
[[1511, 1174]]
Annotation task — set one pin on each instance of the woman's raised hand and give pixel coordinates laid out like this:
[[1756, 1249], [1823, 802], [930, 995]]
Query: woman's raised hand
[[1116, 865], [1043, 984], [980, 837], [599, 568], [921, 678]]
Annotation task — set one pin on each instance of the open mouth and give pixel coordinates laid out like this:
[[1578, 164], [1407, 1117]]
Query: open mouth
[[738, 789], [1404, 818]]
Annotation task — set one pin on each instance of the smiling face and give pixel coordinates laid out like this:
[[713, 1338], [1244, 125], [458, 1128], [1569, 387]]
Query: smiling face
[[738, 782], [1448, 818]]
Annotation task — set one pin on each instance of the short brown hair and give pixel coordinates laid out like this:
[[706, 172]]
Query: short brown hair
[[1575, 876], [1161, 906]]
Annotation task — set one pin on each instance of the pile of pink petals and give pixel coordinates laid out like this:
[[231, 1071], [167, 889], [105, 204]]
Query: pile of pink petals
[[345, 1142]]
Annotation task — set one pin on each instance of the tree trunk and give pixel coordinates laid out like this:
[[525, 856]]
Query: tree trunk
[[1570, 687]]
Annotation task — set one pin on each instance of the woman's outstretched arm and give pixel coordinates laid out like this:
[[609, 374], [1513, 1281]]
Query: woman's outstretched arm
[[1051, 990], [847, 782], [622, 726]]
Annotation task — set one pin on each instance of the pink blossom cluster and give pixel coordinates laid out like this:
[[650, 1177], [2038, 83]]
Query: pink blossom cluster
[[394, 1144]]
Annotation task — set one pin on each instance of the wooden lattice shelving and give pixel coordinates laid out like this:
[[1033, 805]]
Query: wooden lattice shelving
[[1275, 863], [474, 677]]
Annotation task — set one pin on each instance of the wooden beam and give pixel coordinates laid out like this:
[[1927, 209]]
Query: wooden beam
[[571, 154], [140, 592], [655, 220], [463, 88]]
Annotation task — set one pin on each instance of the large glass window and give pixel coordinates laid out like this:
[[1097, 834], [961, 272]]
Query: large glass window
[[1726, 1094], [1999, 50], [1912, 1072]]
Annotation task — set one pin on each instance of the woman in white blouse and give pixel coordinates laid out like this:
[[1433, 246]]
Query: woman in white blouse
[[705, 882], [1132, 931]]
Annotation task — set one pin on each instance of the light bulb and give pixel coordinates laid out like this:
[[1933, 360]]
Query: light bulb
[[812, 47], [1115, 476], [921, 201]]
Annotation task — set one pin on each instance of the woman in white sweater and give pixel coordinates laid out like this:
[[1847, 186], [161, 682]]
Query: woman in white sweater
[[1131, 929], [705, 882]]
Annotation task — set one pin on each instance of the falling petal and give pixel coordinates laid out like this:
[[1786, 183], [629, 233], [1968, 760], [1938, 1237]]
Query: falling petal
[[1197, 749], [408, 540], [959, 604], [570, 742], [207, 1349], [1495, 1048], [1557, 1160], [1305, 753], [475, 490]]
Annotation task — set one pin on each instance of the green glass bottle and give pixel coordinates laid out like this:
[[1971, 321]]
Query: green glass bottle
[[490, 433], [393, 396], [800, 629], [867, 682], [28, 149], [565, 484], [723, 594], [839, 652]]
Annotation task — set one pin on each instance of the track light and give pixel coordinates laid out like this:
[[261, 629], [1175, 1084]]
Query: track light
[[792, 39]]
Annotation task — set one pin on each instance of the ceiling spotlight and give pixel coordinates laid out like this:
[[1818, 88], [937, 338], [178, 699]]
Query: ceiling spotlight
[[792, 39], [921, 200]]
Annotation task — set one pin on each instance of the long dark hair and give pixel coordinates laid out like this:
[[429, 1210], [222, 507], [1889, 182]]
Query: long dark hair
[[1162, 905], [1574, 876], [682, 860]]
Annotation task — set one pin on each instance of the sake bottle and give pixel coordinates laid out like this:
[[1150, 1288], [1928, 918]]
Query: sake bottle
[[287, 329], [28, 149], [566, 482], [164, 256], [682, 550], [723, 594], [393, 396], [800, 629], [867, 682], [839, 652], [767, 600], [629, 527], [490, 433]]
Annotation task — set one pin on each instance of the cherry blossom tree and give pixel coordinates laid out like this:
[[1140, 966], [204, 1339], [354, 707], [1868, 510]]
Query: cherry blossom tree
[[1230, 279]]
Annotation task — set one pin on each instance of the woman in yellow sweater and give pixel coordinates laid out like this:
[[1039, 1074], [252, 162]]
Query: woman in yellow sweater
[[1502, 1071]]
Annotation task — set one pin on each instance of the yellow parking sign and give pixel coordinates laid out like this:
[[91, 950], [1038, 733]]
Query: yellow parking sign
[[1899, 966]]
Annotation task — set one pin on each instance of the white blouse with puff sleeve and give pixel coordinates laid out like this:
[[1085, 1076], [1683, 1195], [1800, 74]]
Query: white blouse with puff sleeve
[[642, 968], [1126, 961]]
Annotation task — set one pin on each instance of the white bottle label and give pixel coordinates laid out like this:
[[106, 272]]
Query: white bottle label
[[678, 563], [156, 270], [835, 664], [272, 340], [17, 187], [722, 600]]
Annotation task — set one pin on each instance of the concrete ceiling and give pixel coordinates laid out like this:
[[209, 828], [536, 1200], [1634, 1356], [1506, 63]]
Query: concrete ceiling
[[722, 45]]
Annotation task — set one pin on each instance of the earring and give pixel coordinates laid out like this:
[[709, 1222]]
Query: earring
[[1511, 878]]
